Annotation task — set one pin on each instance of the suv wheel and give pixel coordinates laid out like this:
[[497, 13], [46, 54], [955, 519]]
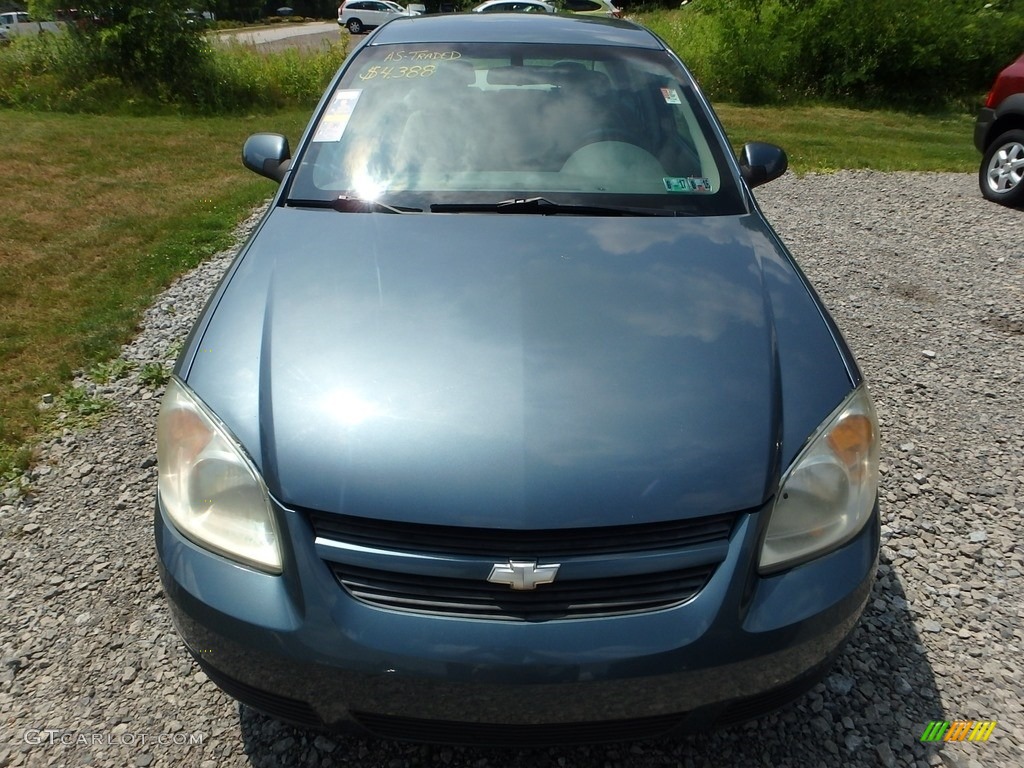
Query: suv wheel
[[355, 26], [1001, 175]]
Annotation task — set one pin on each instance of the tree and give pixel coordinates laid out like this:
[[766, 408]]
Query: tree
[[242, 10], [149, 44]]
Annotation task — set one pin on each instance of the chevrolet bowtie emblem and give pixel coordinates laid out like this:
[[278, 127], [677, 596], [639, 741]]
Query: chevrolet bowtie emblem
[[523, 574]]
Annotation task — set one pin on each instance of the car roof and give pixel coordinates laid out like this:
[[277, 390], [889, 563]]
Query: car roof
[[515, 28]]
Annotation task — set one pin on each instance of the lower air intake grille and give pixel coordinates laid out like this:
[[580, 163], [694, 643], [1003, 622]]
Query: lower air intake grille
[[290, 710], [562, 599], [438, 731]]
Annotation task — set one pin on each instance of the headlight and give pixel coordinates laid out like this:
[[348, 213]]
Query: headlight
[[208, 487], [827, 495]]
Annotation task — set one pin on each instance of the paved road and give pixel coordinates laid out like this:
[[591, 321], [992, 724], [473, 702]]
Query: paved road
[[287, 35]]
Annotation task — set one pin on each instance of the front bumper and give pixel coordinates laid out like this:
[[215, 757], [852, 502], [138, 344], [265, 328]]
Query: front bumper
[[298, 647]]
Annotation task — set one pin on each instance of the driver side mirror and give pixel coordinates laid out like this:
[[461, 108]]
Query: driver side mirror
[[267, 154], [760, 162]]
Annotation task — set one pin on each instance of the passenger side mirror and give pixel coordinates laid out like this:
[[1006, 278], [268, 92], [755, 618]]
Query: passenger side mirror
[[267, 154], [760, 162]]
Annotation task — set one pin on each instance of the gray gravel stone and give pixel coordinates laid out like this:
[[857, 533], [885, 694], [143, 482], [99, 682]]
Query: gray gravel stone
[[925, 278]]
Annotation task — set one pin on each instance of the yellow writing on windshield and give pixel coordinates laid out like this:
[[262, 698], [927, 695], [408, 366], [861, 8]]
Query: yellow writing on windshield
[[397, 73], [423, 56]]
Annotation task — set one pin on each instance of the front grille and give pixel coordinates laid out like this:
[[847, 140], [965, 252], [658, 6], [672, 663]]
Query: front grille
[[488, 734], [504, 543], [374, 582], [559, 600]]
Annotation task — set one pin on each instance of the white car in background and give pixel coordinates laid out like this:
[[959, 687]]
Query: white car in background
[[357, 16], [578, 7], [515, 6], [592, 8], [14, 23]]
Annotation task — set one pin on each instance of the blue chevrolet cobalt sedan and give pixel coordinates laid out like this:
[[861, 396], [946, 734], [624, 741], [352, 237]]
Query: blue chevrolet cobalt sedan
[[514, 422]]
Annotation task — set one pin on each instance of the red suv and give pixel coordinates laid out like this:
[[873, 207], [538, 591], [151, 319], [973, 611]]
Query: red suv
[[999, 136]]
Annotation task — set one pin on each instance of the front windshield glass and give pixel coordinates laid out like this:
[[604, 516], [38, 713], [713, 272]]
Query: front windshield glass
[[483, 123]]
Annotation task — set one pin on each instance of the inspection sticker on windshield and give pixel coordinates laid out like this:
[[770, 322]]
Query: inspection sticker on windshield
[[333, 123], [671, 97], [688, 184]]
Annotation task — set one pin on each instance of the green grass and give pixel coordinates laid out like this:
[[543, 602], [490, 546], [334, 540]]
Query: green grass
[[98, 214], [833, 138]]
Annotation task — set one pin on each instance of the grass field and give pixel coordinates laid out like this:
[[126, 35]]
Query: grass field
[[97, 214], [833, 138]]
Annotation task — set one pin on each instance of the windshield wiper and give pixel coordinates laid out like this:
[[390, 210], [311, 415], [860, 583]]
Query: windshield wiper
[[346, 204], [545, 207]]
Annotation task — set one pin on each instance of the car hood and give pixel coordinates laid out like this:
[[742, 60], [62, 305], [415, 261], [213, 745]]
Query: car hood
[[517, 371]]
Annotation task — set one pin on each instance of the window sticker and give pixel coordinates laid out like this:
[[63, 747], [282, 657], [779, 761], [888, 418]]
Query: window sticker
[[671, 96], [335, 120], [688, 184]]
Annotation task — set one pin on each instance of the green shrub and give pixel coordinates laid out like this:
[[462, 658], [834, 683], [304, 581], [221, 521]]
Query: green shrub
[[694, 35], [915, 53], [47, 73], [148, 45], [239, 78]]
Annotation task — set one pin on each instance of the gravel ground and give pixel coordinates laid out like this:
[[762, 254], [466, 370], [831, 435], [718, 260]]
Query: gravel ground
[[927, 281]]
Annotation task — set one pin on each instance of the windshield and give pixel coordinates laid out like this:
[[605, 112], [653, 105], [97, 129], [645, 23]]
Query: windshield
[[484, 123]]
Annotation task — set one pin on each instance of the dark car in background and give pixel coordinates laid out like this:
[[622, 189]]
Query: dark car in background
[[514, 422], [999, 136]]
